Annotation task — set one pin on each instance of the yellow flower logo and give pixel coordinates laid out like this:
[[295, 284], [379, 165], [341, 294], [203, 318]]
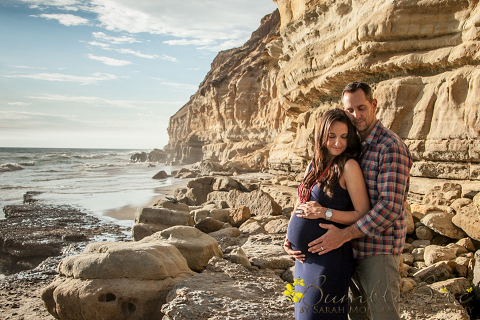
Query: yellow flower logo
[[291, 294], [470, 290], [301, 282], [444, 289]]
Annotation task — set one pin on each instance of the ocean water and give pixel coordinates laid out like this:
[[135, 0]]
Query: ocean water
[[96, 180]]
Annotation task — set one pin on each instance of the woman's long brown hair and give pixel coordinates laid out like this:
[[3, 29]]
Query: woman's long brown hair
[[319, 162]]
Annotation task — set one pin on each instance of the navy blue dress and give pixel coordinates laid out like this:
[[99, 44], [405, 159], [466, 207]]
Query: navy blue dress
[[326, 277]]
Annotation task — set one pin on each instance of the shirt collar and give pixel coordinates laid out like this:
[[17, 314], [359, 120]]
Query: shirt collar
[[373, 136]]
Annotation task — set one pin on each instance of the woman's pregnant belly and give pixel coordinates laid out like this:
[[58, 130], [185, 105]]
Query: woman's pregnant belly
[[302, 231]]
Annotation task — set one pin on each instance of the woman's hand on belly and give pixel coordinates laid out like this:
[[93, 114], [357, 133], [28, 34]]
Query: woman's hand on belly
[[287, 246], [311, 210]]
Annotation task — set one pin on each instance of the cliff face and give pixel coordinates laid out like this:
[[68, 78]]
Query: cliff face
[[235, 115], [259, 104]]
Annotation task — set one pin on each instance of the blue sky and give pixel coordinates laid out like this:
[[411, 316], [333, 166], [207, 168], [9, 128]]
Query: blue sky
[[109, 73]]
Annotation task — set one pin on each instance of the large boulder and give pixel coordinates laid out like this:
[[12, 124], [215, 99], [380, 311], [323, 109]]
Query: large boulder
[[239, 216], [196, 246], [139, 157], [198, 189], [164, 214], [191, 196], [467, 244], [468, 219], [439, 271], [259, 202], [184, 173], [441, 222], [160, 175], [208, 225], [434, 254], [207, 166], [423, 232], [266, 252], [116, 280], [217, 214], [157, 155], [225, 184]]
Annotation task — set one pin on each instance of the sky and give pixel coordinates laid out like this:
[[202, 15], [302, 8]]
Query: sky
[[109, 73]]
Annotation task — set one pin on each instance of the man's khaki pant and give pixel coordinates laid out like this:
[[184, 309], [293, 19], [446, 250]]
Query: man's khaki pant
[[375, 289]]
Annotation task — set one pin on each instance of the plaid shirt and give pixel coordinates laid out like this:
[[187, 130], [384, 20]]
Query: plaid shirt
[[386, 163]]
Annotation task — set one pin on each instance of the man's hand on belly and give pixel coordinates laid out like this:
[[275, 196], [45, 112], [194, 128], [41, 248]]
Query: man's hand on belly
[[334, 238]]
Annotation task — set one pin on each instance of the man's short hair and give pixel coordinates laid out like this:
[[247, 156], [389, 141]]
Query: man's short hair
[[354, 86]]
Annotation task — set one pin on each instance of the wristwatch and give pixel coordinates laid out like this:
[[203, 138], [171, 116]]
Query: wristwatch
[[328, 214]]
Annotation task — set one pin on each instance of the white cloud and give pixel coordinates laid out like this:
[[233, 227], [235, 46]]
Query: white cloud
[[23, 115], [181, 86], [98, 100], [22, 104], [84, 80], [138, 54], [28, 67], [110, 61], [201, 23], [65, 19], [168, 58], [186, 42], [70, 8], [209, 24], [225, 45], [106, 46], [99, 44], [128, 104], [115, 40], [89, 100], [58, 3]]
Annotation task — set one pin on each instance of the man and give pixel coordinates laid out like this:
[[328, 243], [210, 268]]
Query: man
[[379, 236]]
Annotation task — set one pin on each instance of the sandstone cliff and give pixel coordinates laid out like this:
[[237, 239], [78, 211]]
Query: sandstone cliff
[[235, 111], [259, 103]]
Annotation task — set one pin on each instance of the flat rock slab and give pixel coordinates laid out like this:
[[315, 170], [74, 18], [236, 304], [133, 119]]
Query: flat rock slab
[[232, 292]]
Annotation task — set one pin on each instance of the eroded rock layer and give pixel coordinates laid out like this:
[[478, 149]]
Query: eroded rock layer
[[260, 103]]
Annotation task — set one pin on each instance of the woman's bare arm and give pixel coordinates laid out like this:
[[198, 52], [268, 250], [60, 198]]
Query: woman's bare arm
[[355, 185]]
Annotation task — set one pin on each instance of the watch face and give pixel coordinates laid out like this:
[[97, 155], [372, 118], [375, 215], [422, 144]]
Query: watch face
[[328, 214]]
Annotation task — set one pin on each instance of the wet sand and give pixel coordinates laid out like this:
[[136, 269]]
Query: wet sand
[[128, 212]]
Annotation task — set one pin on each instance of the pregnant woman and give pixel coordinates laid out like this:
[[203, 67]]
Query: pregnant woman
[[332, 192]]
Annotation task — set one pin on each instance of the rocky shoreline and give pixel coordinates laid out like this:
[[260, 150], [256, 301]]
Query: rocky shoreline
[[34, 238], [218, 245]]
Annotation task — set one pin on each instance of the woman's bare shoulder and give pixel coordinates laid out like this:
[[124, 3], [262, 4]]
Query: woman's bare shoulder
[[352, 164]]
